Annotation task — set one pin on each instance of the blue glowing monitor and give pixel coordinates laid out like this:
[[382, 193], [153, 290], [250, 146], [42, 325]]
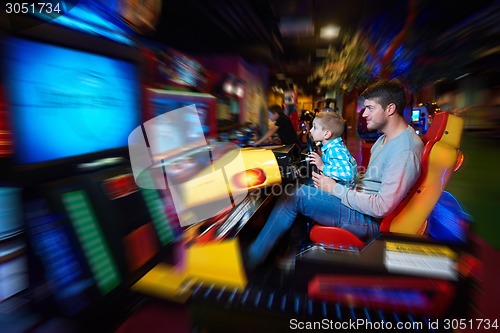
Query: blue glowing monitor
[[66, 102], [415, 116]]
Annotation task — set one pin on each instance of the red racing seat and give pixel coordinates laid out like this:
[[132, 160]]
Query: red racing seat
[[440, 158]]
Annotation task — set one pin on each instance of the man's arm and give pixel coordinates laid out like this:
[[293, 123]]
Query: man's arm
[[399, 177], [269, 134]]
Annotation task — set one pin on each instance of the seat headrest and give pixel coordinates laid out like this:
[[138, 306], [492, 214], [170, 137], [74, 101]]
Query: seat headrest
[[437, 128]]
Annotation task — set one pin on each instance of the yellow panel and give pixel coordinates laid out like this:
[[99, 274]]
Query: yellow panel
[[166, 282], [442, 161], [219, 264], [210, 185], [204, 189], [265, 160], [453, 131]]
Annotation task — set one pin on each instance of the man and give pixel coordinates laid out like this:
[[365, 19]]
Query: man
[[282, 125], [393, 169]]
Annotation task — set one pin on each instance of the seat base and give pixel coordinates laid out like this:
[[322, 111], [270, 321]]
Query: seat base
[[334, 236]]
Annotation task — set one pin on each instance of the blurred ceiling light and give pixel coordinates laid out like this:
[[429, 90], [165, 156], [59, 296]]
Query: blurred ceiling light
[[489, 52], [329, 32], [462, 76]]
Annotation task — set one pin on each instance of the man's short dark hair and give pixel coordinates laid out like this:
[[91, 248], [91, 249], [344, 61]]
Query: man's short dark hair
[[387, 92], [276, 108]]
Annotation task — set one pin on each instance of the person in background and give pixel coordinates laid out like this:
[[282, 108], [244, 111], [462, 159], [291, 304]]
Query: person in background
[[335, 161], [282, 126], [393, 170]]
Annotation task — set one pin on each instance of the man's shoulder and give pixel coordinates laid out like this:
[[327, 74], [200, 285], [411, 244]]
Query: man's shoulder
[[416, 141], [410, 140], [282, 119]]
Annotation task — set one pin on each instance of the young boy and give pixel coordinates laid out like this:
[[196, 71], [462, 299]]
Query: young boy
[[336, 161]]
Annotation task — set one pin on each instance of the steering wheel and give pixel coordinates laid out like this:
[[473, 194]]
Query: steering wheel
[[311, 147]]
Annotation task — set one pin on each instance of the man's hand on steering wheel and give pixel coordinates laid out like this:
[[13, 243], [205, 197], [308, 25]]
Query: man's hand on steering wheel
[[323, 182]]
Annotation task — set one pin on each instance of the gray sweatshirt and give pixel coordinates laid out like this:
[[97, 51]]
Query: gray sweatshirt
[[393, 170]]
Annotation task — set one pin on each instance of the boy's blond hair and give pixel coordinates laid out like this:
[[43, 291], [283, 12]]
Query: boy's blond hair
[[332, 122]]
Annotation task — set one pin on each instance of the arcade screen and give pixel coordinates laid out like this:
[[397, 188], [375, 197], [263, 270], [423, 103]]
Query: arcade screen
[[66, 102], [11, 222], [415, 116], [163, 101], [178, 122]]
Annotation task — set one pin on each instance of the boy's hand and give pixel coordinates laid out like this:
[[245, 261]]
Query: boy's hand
[[323, 182], [315, 159]]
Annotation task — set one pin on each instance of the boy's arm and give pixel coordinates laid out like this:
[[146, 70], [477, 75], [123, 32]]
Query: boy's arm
[[316, 160]]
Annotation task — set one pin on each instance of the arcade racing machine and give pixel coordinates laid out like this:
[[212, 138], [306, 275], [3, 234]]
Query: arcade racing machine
[[413, 272]]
